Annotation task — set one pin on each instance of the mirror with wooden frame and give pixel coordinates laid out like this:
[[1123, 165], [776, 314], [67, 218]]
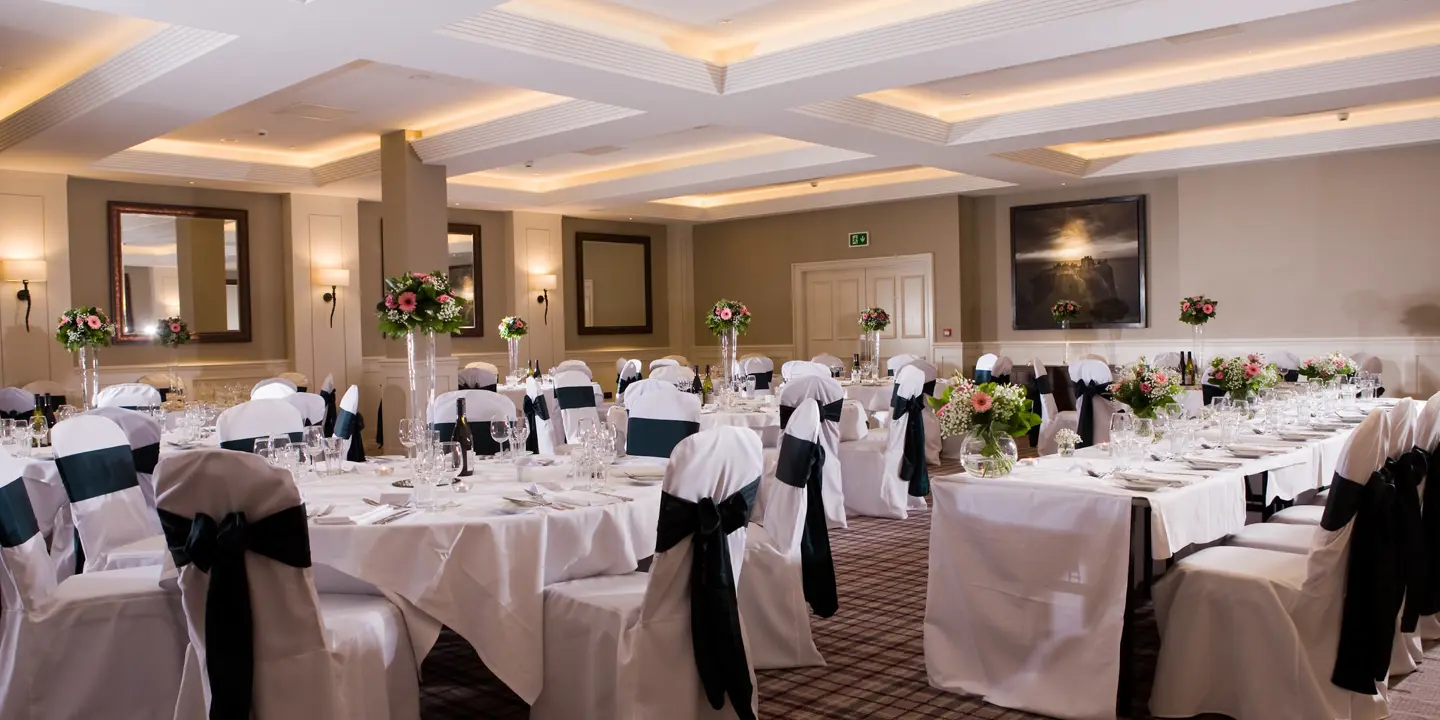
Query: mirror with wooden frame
[[463, 267], [612, 282], [169, 260]]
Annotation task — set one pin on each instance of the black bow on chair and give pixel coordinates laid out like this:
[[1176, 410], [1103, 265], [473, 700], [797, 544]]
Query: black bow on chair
[[763, 379], [1085, 391], [1373, 585], [828, 413], [16, 414], [912, 466], [801, 465], [535, 407], [1039, 385], [623, 382], [329, 397], [349, 425], [1409, 473], [1430, 596], [714, 614], [218, 550]]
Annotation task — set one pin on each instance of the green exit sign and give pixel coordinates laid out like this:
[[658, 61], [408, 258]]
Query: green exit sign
[[860, 239]]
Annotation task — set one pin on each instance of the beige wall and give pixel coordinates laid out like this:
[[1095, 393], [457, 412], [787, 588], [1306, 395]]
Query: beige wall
[[492, 278], [749, 260], [269, 283], [660, 288]]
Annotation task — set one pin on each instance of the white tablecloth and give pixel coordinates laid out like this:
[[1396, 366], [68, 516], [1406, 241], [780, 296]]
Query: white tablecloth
[[1026, 597]]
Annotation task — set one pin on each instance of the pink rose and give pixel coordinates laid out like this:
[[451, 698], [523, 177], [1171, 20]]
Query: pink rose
[[725, 314], [174, 327], [390, 301], [443, 299], [1218, 375], [519, 324], [1160, 378], [407, 302], [93, 322], [1145, 387], [981, 402], [717, 312], [1311, 363], [420, 276], [744, 310], [1208, 308], [79, 321], [1251, 370]]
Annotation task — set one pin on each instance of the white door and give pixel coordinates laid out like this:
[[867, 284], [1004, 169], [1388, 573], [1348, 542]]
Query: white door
[[832, 294]]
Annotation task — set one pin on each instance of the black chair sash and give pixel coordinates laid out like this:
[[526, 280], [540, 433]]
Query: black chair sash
[[928, 389], [1085, 392], [763, 379], [983, 376], [380, 424], [912, 466], [301, 388], [146, 458], [828, 412], [217, 548], [355, 445], [1373, 588], [348, 424], [1039, 385], [99, 472], [624, 382], [1430, 599], [714, 614], [164, 394], [654, 437], [330, 418], [1209, 392], [1290, 375], [247, 445], [1409, 472], [17, 515], [571, 398], [535, 407], [802, 465], [492, 387], [17, 414]]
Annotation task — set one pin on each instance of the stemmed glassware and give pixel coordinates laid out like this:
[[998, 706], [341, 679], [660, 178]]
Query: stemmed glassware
[[500, 432], [314, 446], [519, 433]]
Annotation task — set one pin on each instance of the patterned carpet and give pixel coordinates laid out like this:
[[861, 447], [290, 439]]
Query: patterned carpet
[[873, 647]]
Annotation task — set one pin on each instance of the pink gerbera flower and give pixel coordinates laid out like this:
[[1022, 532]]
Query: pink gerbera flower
[[174, 327], [1251, 370], [407, 302], [725, 314], [93, 322], [422, 277], [981, 401], [1208, 308], [519, 324]]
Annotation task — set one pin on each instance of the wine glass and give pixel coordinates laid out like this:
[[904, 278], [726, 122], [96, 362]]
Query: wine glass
[[36, 431], [281, 453], [262, 447], [314, 446], [500, 432], [449, 456], [406, 434]]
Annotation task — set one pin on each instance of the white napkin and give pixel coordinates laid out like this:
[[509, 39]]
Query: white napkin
[[1152, 477], [1206, 463], [369, 517], [1247, 449]]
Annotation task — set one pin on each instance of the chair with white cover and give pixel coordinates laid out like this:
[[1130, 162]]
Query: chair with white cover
[[107, 505], [545, 428], [128, 395], [679, 359], [301, 382], [310, 405], [1091, 379], [16, 403], [673, 374], [1255, 634], [640, 388], [659, 418], [803, 368], [272, 389], [575, 398], [1167, 360], [903, 480], [662, 362], [349, 423], [1052, 419], [254, 617], [992, 368], [479, 378], [143, 433], [763, 370], [85, 647], [626, 647], [575, 366], [1287, 363], [836, 365], [239, 427], [827, 395], [788, 564], [893, 365], [481, 408], [933, 441], [327, 394], [55, 390], [626, 372]]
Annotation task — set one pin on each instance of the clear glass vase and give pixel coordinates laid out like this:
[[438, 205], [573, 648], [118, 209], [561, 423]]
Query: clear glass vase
[[177, 386], [729, 355], [1198, 349], [870, 355], [1065, 334], [420, 366], [513, 374], [989, 454], [89, 357]]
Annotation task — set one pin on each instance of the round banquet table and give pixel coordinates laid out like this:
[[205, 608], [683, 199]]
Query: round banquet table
[[876, 397], [516, 393], [763, 420]]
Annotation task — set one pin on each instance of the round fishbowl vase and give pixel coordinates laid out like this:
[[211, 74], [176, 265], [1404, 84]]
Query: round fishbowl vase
[[989, 455]]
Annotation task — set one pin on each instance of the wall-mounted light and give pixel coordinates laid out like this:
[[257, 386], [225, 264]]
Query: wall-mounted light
[[336, 278], [23, 272], [543, 283]]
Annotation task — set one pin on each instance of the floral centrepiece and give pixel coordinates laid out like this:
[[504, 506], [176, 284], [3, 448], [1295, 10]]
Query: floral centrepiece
[[874, 319], [1065, 311], [1326, 368], [1145, 387], [1243, 376], [172, 332], [419, 302], [1067, 439], [728, 315], [989, 415], [513, 328], [1197, 310], [84, 326]]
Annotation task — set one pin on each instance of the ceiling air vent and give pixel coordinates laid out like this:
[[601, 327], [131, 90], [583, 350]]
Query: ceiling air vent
[[311, 111], [1203, 35]]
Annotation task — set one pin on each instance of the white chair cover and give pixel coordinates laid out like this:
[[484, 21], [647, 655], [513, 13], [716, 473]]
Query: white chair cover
[[1052, 420], [478, 379], [143, 432], [763, 369], [890, 496], [1168, 360], [673, 374], [992, 367], [86, 647], [15, 400], [680, 359], [644, 387], [107, 505], [1285, 360], [239, 426], [827, 396], [343, 656], [310, 405], [575, 397], [660, 417], [575, 366], [1279, 615], [546, 429], [626, 372], [662, 362], [272, 389], [348, 424], [801, 368], [836, 365], [481, 408], [772, 592], [45, 387], [622, 647], [893, 365], [300, 380], [128, 395], [1090, 370]]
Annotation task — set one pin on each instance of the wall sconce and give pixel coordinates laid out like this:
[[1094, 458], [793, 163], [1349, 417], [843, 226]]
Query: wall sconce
[[543, 283], [336, 278], [23, 272]]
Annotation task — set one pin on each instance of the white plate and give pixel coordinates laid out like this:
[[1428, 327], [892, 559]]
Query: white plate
[[1250, 452]]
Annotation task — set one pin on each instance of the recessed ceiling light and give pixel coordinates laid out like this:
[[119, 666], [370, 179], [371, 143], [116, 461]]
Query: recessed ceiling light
[[632, 218], [421, 76], [192, 182], [229, 140], [725, 21], [1064, 183], [291, 147], [457, 204], [966, 94]]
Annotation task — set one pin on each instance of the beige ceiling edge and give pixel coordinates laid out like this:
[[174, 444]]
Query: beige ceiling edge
[[1048, 159], [880, 117], [528, 125], [153, 163]]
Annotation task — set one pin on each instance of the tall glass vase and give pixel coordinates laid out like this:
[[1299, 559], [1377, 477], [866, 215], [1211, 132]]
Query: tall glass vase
[[513, 374], [1065, 334], [89, 357], [729, 354], [177, 387], [870, 354], [1198, 351], [420, 366]]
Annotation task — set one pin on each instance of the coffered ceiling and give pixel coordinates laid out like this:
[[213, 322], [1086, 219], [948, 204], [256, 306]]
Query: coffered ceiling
[[696, 111]]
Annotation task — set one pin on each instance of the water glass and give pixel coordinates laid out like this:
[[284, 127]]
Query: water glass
[[262, 447], [449, 458], [1122, 446], [519, 433], [334, 454], [1121, 424], [423, 481], [500, 432], [1229, 428]]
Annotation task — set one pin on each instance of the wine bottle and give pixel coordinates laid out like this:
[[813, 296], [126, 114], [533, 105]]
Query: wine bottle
[[463, 438], [38, 417], [708, 388], [695, 386], [48, 410]]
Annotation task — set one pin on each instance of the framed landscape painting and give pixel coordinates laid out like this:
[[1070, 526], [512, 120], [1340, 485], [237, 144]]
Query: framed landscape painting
[[1089, 251]]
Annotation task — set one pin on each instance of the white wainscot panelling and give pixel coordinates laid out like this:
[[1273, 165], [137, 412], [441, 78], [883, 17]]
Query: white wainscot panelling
[[388, 379], [204, 380]]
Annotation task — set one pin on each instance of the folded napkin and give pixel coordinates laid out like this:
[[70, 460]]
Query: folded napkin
[[1249, 449], [1153, 477], [369, 517], [641, 471], [1304, 435], [1208, 463]]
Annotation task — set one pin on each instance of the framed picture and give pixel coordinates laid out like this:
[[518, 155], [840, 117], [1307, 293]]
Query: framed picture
[[1089, 251]]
